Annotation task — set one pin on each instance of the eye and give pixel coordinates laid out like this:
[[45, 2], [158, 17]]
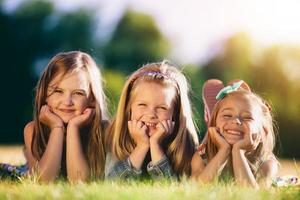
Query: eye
[[247, 118], [163, 108], [57, 90], [80, 93], [142, 105], [227, 115]]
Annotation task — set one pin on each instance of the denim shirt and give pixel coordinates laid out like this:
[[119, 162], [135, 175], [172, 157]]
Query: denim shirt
[[124, 170]]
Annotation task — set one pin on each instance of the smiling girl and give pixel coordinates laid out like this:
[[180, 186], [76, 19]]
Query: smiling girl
[[240, 140], [66, 135], [153, 132]]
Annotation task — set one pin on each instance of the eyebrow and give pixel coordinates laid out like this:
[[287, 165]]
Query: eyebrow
[[230, 109], [80, 90], [225, 109]]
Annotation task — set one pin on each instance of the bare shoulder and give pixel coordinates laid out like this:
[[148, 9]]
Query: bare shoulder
[[28, 132], [269, 168]]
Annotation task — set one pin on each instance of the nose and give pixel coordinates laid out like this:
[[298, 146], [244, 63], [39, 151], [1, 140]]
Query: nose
[[68, 100], [237, 120], [151, 113]]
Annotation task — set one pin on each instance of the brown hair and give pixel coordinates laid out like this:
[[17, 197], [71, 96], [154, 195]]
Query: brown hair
[[64, 63], [182, 145]]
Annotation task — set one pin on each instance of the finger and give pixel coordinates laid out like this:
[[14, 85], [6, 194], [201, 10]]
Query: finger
[[166, 126], [90, 112], [212, 131], [139, 124], [172, 126], [160, 127], [144, 130], [169, 122]]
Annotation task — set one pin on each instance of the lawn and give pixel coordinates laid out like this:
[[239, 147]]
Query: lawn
[[30, 189]]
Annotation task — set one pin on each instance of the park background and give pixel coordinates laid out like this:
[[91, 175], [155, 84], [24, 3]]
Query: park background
[[257, 41]]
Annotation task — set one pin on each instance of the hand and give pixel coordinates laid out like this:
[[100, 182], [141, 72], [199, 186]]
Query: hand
[[138, 131], [84, 119], [163, 129], [249, 142], [218, 139], [49, 118]]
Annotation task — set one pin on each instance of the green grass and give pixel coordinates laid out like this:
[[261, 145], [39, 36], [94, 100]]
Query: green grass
[[28, 189]]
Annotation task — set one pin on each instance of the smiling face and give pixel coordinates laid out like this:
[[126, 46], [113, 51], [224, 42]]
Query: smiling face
[[152, 103], [238, 114], [68, 96]]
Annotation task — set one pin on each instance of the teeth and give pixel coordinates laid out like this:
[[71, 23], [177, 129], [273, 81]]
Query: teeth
[[150, 124], [233, 132]]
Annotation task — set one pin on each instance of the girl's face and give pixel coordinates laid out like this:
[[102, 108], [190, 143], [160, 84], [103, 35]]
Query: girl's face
[[68, 98], [152, 103], [237, 116]]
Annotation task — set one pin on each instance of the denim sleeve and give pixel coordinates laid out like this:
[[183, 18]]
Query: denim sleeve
[[161, 170], [123, 170]]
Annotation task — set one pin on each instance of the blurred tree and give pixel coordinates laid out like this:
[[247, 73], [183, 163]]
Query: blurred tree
[[21, 39], [235, 61], [114, 81], [136, 41], [32, 32], [195, 79]]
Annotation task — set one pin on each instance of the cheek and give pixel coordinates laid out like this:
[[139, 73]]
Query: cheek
[[81, 103], [134, 113], [254, 127], [219, 122], [51, 101], [165, 115]]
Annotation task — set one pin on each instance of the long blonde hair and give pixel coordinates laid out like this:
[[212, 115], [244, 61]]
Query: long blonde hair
[[178, 148], [265, 147], [64, 63]]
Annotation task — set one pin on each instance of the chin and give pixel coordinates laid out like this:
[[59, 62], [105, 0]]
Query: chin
[[231, 142], [66, 119]]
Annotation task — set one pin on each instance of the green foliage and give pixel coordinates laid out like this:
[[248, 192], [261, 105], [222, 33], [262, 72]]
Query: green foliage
[[196, 79], [136, 41], [32, 32], [113, 86]]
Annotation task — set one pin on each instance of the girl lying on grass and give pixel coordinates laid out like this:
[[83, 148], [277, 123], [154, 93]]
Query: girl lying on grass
[[153, 133], [66, 137], [240, 140]]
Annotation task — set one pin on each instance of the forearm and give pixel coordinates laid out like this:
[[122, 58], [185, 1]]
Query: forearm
[[49, 165], [156, 151], [214, 167], [77, 164], [242, 171], [138, 155]]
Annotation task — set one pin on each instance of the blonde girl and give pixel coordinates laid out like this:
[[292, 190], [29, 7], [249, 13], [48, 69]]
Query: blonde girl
[[153, 132], [66, 134], [240, 140]]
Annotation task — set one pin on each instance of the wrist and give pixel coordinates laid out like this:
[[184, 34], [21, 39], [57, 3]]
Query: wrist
[[154, 141], [226, 149], [61, 127], [73, 124], [142, 147], [237, 148]]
